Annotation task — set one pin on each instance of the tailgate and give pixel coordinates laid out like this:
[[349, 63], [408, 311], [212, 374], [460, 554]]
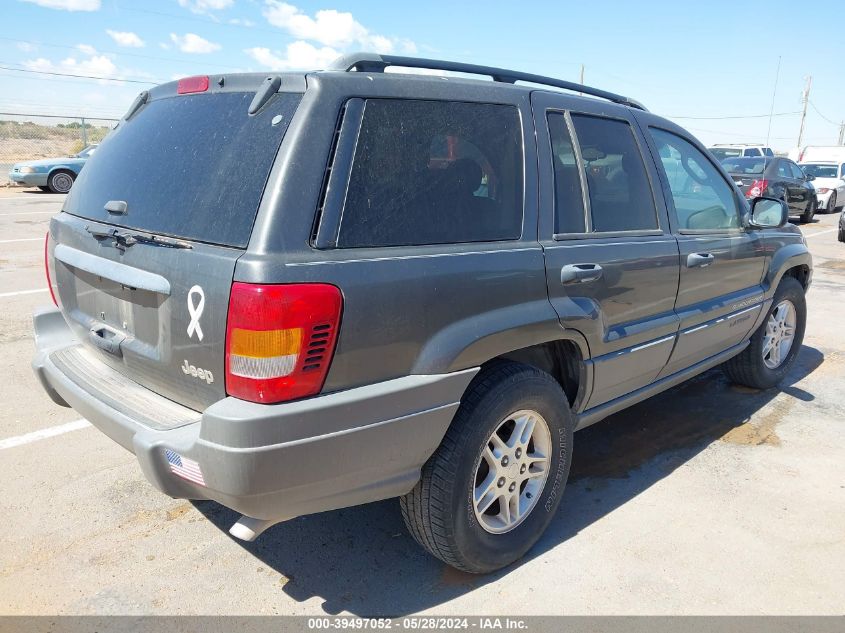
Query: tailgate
[[145, 250], [155, 314]]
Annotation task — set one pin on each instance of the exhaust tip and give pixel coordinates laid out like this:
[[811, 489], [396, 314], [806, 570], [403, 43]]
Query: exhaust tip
[[248, 529]]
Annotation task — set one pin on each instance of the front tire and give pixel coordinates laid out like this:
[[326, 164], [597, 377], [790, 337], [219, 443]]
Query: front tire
[[809, 213], [493, 485], [776, 343], [831, 204], [60, 181]]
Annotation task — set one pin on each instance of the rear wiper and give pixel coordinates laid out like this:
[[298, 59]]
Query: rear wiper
[[124, 240]]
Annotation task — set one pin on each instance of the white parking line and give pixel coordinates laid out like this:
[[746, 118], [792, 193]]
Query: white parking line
[[23, 239], [21, 292], [28, 438], [822, 232]]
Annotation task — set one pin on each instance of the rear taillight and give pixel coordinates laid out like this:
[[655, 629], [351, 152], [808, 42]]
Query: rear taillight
[[280, 340], [757, 189], [48, 268], [192, 84]]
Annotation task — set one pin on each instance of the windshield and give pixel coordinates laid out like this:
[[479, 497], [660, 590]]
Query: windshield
[[744, 165], [820, 171], [188, 166], [723, 152]]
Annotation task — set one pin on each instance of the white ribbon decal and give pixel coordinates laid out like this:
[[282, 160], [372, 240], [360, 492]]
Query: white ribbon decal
[[195, 311]]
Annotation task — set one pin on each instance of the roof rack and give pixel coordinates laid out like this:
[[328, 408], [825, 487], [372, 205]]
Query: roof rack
[[373, 63]]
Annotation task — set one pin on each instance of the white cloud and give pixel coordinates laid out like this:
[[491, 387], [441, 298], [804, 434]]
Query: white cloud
[[329, 27], [126, 38], [298, 55], [204, 6], [193, 43], [95, 66], [86, 49], [68, 5], [241, 22], [26, 47]]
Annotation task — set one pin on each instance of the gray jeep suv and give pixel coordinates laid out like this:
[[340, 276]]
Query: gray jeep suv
[[300, 292]]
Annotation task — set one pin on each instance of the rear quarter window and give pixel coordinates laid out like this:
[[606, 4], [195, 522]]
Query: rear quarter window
[[434, 172], [188, 166]]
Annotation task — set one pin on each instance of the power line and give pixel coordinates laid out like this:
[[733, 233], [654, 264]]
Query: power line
[[57, 74], [744, 116], [122, 53], [823, 116], [60, 116]]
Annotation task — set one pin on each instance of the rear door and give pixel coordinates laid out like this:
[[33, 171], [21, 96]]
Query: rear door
[[145, 250], [800, 190], [719, 295], [611, 262]]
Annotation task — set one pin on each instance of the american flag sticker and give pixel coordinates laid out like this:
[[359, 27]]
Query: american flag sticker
[[184, 467]]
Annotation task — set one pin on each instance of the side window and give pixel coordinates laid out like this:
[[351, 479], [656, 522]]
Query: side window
[[768, 151], [753, 151], [842, 170], [569, 203], [620, 194], [702, 198], [796, 171], [783, 169], [434, 172]]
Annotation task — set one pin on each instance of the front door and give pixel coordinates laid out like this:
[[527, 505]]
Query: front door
[[611, 261], [720, 294]]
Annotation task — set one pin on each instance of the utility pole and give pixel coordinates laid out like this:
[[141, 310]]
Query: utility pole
[[805, 98], [842, 133], [582, 74]]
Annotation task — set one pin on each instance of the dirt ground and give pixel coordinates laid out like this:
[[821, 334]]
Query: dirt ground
[[707, 499]]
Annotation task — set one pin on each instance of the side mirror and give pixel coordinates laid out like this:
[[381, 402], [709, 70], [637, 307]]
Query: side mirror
[[768, 213], [810, 177]]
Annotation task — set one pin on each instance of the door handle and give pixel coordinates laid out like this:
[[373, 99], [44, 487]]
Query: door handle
[[580, 273], [700, 260], [106, 339]]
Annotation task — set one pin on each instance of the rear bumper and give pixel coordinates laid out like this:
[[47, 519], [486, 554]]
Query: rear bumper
[[275, 462]]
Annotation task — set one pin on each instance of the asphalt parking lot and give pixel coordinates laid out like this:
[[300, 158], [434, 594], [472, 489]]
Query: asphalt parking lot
[[707, 499]]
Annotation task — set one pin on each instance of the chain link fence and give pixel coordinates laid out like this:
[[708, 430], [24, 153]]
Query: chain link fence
[[33, 136]]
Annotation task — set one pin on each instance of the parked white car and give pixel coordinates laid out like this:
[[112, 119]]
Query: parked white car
[[829, 184]]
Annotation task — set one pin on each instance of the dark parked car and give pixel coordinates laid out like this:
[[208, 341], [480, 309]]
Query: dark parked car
[[776, 178], [307, 291]]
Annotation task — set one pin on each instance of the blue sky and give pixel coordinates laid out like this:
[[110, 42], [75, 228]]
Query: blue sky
[[710, 60]]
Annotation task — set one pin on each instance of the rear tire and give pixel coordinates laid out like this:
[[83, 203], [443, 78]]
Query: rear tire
[[469, 512], [754, 366], [44, 188], [61, 181]]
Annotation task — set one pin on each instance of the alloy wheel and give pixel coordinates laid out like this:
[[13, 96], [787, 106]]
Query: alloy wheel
[[512, 471]]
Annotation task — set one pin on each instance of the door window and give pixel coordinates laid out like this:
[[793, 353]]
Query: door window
[[783, 169], [702, 198], [569, 202], [434, 172], [796, 171], [618, 186]]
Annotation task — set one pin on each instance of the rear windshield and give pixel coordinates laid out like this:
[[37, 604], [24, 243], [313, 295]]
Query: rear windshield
[[189, 166], [744, 165]]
